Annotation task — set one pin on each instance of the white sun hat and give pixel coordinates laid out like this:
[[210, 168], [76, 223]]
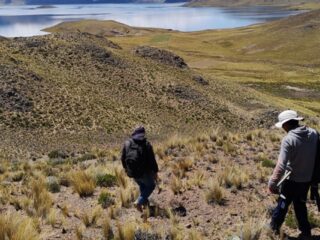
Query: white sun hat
[[286, 116]]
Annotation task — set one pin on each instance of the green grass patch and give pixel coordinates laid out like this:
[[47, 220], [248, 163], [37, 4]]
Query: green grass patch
[[105, 200], [106, 180], [160, 38]]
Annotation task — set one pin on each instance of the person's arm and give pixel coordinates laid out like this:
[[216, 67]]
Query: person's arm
[[152, 159], [280, 168]]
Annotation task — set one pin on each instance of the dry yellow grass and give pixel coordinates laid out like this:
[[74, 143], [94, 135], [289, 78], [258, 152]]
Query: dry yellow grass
[[14, 226], [82, 183], [41, 198], [214, 193]]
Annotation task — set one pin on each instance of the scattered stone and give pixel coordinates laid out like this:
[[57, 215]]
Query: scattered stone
[[189, 225], [180, 211]]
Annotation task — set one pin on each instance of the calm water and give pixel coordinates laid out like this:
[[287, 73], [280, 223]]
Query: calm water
[[29, 20]]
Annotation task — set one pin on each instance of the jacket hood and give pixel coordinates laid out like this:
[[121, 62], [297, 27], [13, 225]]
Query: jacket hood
[[301, 132]]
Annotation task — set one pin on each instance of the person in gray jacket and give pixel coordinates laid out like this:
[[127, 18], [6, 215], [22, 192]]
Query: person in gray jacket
[[297, 153]]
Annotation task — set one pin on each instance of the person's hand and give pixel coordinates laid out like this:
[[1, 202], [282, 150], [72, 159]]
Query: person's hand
[[273, 190]]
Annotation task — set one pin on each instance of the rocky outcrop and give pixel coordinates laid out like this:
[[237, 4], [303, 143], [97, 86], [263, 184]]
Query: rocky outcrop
[[160, 55]]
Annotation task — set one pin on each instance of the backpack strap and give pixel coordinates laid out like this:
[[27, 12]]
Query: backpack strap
[[128, 143]]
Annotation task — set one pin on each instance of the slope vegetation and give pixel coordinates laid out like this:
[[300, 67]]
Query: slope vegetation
[[66, 89], [279, 59]]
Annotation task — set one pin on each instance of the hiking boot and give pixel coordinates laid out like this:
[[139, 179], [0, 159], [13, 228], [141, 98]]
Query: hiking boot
[[138, 206]]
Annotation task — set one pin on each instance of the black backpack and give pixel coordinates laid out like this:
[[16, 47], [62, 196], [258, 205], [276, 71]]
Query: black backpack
[[135, 158]]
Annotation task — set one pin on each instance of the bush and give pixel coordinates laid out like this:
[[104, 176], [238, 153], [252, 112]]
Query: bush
[[57, 154], [53, 184], [106, 180], [105, 200]]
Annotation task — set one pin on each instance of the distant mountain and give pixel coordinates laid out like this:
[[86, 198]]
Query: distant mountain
[[235, 3], [45, 2]]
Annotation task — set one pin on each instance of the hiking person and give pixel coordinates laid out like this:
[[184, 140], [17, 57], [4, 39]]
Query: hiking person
[[297, 153], [139, 162]]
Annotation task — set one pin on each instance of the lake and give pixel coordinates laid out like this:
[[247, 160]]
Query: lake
[[29, 20]]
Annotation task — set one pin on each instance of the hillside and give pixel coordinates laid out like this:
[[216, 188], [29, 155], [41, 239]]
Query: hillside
[[280, 59], [77, 90], [297, 4]]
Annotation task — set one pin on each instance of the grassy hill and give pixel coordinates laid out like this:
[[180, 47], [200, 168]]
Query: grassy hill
[[279, 59], [75, 90], [294, 4], [102, 28]]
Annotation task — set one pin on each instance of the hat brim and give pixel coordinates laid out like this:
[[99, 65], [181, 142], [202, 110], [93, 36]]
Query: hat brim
[[280, 124]]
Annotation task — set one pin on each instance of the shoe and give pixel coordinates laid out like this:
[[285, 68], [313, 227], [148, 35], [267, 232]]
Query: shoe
[[138, 206]]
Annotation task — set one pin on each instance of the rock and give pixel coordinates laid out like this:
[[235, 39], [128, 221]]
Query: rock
[[189, 225], [160, 55], [64, 231], [199, 79], [180, 211]]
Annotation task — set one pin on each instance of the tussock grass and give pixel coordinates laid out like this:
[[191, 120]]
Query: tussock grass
[[121, 177], [252, 230], [233, 177], [126, 197], [52, 217], [126, 231], [176, 185], [14, 226], [41, 198], [82, 183], [214, 193], [107, 232]]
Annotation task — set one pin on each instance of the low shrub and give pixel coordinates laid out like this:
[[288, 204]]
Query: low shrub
[[57, 154], [106, 180], [53, 184], [105, 200]]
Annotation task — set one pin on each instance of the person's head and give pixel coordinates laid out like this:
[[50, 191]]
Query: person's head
[[139, 133], [288, 120]]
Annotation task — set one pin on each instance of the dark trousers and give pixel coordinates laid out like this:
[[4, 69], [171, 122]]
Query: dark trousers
[[146, 185], [295, 193]]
